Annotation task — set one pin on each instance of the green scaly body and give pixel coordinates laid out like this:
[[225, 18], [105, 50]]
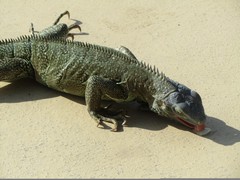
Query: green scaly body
[[96, 73]]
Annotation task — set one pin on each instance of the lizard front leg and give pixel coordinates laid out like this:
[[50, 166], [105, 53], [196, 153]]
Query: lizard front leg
[[96, 88]]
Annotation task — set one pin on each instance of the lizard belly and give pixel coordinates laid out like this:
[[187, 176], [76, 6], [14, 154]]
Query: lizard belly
[[70, 87]]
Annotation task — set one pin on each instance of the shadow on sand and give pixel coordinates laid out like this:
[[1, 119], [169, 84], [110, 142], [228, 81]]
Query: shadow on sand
[[221, 133], [29, 90]]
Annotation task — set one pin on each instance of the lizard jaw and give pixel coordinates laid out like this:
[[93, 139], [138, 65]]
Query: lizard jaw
[[185, 123], [197, 128]]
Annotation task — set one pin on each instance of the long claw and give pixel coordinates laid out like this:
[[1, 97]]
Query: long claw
[[74, 26], [100, 124], [99, 120], [106, 115], [124, 121], [70, 35], [115, 125], [31, 29], [61, 15]]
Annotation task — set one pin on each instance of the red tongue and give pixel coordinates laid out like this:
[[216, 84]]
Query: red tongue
[[199, 127]]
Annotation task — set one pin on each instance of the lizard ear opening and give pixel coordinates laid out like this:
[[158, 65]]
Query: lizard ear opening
[[158, 106]]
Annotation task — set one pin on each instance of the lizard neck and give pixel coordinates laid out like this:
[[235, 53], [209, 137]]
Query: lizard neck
[[152, 87]]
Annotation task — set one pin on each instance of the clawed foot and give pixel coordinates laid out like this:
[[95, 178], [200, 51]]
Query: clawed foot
[[73, 26], [107, 115], [57, 30]]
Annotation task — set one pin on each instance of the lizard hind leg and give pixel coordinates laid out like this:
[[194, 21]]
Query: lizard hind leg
[[31, 30], [70, 27], [57, 30]]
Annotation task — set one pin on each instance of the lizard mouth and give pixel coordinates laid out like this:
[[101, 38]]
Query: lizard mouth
[[185, 123], [198, 127]]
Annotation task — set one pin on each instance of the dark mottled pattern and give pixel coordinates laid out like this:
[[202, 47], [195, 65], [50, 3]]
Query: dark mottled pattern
[[98, 72]]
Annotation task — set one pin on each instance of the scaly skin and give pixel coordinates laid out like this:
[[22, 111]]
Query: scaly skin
[[96, 73]]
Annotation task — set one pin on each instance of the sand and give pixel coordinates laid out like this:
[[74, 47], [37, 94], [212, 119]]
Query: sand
[[47, 134]]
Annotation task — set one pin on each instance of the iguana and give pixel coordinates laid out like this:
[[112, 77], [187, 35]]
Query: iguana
[[99, 73]]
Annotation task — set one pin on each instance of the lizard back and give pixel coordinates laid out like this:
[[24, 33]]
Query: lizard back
[[66, 66]]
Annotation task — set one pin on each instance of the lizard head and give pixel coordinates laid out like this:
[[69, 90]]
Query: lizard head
[[183, 105]]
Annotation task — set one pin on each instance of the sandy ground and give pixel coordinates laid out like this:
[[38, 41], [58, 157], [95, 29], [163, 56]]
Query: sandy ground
[[44, 133]]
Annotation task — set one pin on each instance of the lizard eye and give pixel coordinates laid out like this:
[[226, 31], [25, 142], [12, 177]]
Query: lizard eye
[[176, 97]]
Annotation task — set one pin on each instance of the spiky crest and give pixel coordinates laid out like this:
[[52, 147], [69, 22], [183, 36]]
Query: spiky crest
[[153, 70]]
